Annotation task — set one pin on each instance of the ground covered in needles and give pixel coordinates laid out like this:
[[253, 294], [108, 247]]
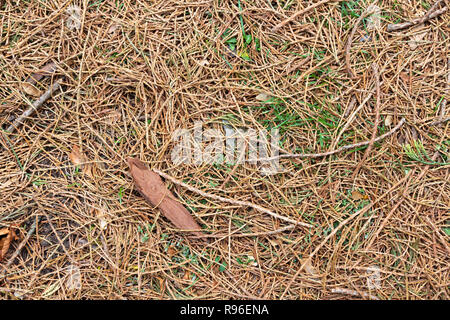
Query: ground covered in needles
[[359, 206]]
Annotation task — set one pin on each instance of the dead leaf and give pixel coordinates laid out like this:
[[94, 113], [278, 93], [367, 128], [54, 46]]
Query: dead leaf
[[78, 158], [31, 90], [388, 120], [171, 251], [74, 278], [51, 289], [152, 188], [356, 195], [263, 97], [45, 71], [29, 85], [310, 268], [373, 277], [113, 28], [112, 116], [187, 275], [7, 235], [102, 217]]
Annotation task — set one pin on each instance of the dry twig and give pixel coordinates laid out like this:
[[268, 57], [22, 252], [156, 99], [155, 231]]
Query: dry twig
[[431, 13]]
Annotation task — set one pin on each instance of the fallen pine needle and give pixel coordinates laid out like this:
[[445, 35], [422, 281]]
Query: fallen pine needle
[[432, 13]]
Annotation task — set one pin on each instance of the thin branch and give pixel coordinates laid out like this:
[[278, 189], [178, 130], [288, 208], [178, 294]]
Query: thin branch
[[38, 103], [232, 201], [329, 153], [354, 293], [446, 92], [432, 13], [253, 234]]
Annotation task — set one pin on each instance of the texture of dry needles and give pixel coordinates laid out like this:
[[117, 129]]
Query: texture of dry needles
[[115, 79]]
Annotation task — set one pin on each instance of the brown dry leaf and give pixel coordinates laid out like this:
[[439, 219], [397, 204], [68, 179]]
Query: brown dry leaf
[[45, 71], [187, 275], [113, 28], [388, 121], [171, 251], [31, 90], [374, 20], [152, 188], [101, 216], [29, 85], [310, 268], [78, 158], [405, 77], [356, 195], [6, 236], [263, 97]]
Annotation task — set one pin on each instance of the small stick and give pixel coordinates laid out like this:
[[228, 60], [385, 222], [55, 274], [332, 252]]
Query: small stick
[[295, 15], [354, 293], [329, 153], [35, 106], [377, 120], [254, 234], [446, 92], [439, 121], [432, 13], [232, 201]]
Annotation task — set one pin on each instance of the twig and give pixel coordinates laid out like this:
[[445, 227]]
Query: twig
[[432, 13], [232, 201], [354, 293], [35, 106], [253, 234], [377, 120], [19, 248], [295, 15], [329, 153], [439, 121], [446, 92]]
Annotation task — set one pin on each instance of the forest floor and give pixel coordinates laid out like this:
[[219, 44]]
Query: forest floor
[[357, 208]]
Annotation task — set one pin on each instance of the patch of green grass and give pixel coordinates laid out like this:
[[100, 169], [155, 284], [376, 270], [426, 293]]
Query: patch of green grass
[[120, 195], [417, 152]]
